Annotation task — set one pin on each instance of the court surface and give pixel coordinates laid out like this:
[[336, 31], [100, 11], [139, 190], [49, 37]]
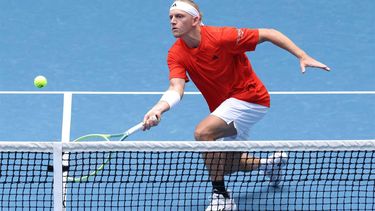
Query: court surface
[[121, 46]]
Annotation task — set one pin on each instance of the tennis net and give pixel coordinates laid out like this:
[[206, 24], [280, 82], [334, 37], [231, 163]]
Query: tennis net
[[318, 175]]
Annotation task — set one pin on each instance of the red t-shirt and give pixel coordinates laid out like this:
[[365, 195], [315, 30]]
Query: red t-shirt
[[219, 66]]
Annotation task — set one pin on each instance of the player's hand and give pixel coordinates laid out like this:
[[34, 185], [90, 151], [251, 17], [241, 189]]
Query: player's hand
[[308, 61], [151, 119]]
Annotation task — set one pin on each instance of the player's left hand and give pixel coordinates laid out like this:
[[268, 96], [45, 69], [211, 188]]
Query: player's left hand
[[308, 61]]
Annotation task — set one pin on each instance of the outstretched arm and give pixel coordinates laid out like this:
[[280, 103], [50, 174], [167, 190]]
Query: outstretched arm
[[284, 42], [171, 96]]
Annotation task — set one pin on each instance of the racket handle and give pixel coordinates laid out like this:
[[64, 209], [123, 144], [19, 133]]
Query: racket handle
[[138, 127], [134, 129]]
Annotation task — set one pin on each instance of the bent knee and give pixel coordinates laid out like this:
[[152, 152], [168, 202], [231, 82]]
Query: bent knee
[[203, 134]]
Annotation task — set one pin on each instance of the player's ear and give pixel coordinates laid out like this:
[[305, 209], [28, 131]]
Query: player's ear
[[196, 21]]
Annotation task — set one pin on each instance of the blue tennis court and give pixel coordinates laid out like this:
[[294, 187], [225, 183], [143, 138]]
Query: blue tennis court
[[111, 56]]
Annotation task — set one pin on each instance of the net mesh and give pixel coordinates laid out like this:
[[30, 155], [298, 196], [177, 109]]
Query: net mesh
[[24, 181], [153, 177]]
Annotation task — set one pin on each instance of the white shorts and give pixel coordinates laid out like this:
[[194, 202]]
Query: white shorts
[[243, 115]]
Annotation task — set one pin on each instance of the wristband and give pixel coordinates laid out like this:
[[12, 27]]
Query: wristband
[[171, 97]]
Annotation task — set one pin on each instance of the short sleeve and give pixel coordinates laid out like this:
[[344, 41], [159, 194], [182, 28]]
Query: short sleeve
[[239, 40], [176, 69]]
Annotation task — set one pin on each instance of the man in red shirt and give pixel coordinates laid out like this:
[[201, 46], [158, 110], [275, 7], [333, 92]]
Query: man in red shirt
[[214, 59]]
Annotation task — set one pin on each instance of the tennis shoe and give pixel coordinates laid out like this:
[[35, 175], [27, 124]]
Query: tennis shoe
[[274, 167], [221, 202]]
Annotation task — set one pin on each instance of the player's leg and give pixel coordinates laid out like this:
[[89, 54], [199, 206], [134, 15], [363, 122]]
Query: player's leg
[[211, 129], [238, 161], [271, 166], [232, 120], [238, 116]]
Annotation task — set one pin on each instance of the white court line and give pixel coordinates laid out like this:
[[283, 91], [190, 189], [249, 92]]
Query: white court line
[[186, 93], [67, 114]]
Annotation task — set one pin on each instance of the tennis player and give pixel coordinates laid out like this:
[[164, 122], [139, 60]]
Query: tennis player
[[214, 59]]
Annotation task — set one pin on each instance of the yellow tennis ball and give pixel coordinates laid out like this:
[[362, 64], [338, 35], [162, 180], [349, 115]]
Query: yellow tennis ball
[[40, 81]]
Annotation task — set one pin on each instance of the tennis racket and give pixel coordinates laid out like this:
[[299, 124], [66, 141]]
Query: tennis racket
[[87, 173]]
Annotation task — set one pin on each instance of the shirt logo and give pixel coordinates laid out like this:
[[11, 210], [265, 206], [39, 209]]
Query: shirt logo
[[239, 35]]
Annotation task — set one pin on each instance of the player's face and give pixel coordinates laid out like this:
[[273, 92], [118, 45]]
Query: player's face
[[181, 22]]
